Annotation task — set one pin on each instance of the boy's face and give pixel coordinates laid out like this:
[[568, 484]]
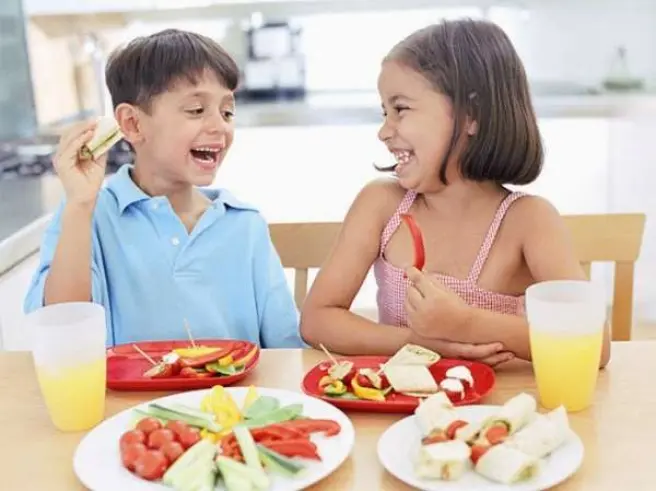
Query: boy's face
[[187, 132]]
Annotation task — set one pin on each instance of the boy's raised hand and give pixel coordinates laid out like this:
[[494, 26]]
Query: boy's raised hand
[[81, 178]]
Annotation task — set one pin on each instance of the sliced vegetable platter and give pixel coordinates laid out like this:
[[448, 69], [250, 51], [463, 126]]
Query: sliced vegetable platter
[[247, 439]]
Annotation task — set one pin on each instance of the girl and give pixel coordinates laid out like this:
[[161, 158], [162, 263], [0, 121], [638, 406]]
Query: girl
[[460, 125]]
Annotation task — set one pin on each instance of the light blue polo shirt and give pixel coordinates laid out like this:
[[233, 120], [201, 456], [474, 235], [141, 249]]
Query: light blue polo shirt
[[225, 278]]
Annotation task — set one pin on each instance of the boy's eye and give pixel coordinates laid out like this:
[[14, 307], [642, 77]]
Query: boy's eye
[[229, 114], [197, 111], [398, 109]]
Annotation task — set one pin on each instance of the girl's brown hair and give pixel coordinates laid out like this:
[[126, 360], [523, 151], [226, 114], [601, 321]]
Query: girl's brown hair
[[474, 64]]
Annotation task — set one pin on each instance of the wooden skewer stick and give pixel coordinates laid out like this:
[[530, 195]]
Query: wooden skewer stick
[[191, 339], [331, 357], [145, 355]]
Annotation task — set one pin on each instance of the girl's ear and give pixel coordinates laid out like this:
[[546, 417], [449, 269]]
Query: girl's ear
[[472, 127]]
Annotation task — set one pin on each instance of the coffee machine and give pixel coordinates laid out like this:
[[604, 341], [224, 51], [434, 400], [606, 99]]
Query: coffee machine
[[275, 67]]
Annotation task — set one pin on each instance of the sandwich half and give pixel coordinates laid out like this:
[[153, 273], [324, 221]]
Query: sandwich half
[[107, 134]]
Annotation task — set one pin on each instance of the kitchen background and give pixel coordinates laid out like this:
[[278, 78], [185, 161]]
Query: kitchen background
[[308, 111]]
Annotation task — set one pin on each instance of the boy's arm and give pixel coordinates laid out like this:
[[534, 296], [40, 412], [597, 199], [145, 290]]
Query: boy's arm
[[68, 270], [277, 313]]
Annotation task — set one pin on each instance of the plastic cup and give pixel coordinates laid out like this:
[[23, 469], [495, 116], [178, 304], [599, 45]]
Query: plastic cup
[[68, 345], [566, 326]]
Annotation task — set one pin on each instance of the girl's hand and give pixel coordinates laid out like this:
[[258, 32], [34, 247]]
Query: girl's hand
[[81, 178], [491, 354], [434, 311]]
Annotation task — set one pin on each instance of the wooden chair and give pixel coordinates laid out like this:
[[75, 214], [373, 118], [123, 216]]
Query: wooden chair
[[597, 238], [302, 246], [613, 238]]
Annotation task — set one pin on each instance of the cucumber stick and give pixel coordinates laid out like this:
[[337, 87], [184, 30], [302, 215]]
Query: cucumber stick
[[195, 418], [251, 457], [194, 470]]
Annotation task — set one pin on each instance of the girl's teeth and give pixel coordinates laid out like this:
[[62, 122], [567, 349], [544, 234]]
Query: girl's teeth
[[402, 157]]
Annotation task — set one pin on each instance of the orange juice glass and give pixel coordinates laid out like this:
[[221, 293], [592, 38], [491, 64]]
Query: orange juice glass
[[566, 325], [68, 346]]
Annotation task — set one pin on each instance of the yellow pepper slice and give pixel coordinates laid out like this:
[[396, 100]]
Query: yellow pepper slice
[[225, 361], [366, 392], [193, 352], [244, 360], [325, 380]]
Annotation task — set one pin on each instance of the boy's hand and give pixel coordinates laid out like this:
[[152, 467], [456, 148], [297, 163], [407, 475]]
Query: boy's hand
[[82, 178]]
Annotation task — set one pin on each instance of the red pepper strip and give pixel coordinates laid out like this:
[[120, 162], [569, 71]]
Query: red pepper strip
[[189, 372], [417, 239], [309, 426], [453, 427], [294, 448], [201, 361]]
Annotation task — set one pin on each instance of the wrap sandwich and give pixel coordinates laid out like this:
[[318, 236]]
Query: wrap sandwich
[[544, 435], [446, 461], [506, 465]]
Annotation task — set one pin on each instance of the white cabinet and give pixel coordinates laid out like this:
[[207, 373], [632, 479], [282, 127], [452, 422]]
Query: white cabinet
[[48, 7]]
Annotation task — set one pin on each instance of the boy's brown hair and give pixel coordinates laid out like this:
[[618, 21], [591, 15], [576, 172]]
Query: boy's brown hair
[[148, 66], [475, 64]]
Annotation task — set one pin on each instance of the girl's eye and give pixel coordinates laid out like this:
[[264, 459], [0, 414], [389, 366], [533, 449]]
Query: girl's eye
[[196, 111], [398, 109], [228, 114]]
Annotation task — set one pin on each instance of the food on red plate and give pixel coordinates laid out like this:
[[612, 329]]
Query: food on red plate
[[229, 359]]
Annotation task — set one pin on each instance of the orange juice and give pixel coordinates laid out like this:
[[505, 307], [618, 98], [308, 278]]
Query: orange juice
[[566, 367], [74, 395]]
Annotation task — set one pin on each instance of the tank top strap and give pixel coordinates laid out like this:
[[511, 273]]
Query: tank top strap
[[395, 220], [484, 252]]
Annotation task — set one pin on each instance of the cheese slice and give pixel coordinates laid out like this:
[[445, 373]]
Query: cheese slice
[[411, 378]]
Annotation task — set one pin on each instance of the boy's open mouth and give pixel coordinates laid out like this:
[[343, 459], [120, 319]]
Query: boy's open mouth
[[205, 155]]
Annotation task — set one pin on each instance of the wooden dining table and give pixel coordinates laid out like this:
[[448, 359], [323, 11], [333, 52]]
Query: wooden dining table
[[618, 430]]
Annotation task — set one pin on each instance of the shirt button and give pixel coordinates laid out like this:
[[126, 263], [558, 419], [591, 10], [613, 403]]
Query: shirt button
[[175, 241], [155, 205]]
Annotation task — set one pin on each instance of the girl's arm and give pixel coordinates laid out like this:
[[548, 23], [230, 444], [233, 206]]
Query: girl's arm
[[549, 255], [325, 317]]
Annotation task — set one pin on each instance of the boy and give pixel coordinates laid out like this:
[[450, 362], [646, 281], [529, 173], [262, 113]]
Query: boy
[[151, 246]]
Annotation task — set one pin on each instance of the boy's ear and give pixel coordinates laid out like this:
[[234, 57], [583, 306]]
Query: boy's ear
[[128, 119]]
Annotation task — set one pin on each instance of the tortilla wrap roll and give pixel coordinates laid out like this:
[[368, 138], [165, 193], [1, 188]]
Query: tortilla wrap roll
[[411, 378], [515, 413], [506, 465], [106, 135], [544, 435], [412, 354], [447, 461]]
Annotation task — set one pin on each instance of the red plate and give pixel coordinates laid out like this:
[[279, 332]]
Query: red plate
[[482, 374], [125, 366]]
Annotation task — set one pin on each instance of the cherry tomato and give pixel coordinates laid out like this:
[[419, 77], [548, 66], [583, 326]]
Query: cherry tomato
[[172, 451], [152, 465], [189, 437], [363, 381], [496, 434], [159, 437], [148, 425], [477, 451], [131, 453], [177, 427], [131, 437]]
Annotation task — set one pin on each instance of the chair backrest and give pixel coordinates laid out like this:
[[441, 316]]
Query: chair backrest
[[597, 238], [302, 246], [615, 238]]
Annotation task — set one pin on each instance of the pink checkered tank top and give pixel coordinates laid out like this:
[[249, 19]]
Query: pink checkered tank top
[[392, 286]]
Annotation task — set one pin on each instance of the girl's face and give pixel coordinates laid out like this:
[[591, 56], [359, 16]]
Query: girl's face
[[418, 127]]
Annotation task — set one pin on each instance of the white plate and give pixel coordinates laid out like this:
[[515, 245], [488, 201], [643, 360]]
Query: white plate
[[97, 461], [398, 448]]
